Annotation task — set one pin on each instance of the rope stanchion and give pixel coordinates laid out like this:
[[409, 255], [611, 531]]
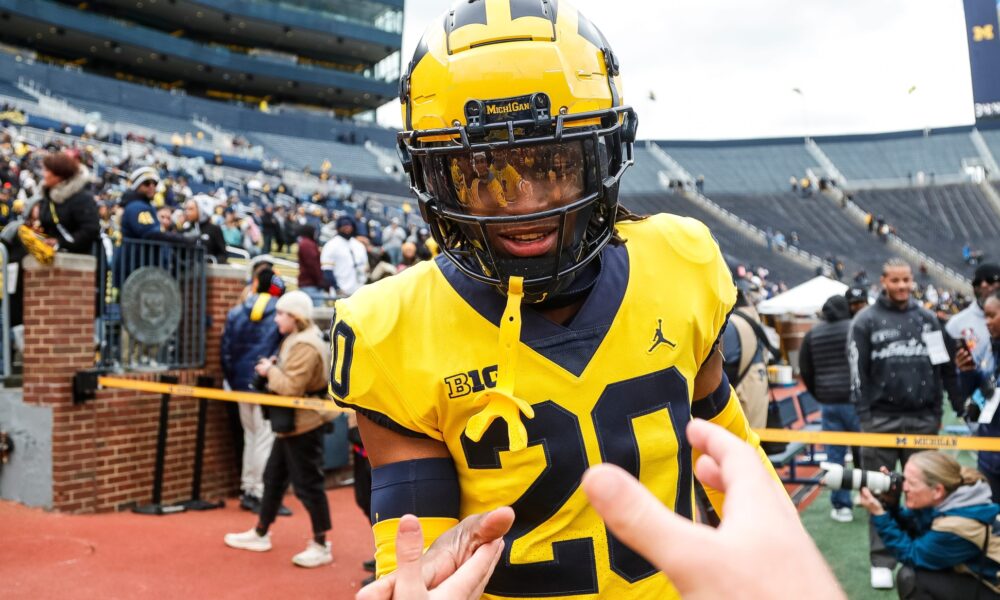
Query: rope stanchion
[[881, 440], [191, 391]]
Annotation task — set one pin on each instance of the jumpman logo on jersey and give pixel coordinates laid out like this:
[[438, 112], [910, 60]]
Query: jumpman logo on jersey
[[658, 337]]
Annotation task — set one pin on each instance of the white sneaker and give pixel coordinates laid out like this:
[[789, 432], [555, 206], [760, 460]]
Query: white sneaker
[[882, 578], [842, 514], [314, 556], [249, 540]]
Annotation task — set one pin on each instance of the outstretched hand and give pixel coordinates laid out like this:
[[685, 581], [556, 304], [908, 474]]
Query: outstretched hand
[[457, 562], [760, 527]]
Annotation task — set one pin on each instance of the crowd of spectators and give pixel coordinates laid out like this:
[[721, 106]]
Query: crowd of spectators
[[75, 194]]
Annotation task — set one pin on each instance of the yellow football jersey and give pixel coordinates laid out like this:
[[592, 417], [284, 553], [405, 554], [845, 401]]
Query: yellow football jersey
[[614, 385]]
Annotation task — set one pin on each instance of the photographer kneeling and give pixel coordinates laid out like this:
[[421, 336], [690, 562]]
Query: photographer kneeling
[[297, 454], [947, 536]]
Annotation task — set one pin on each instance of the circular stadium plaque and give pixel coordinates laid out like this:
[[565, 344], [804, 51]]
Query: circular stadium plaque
[[150, 305]]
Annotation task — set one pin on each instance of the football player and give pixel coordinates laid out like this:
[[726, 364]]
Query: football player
[[495, 375]]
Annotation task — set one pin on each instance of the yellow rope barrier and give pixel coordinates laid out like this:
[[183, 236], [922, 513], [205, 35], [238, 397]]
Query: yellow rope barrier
[[881, 440], [876, 440], [216, 394]]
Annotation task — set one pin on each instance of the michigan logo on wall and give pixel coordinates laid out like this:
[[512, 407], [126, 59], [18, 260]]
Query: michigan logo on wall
[[151, 305]]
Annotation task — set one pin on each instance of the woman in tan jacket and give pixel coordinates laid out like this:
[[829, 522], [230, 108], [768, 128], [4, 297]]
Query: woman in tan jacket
[[297, 454]]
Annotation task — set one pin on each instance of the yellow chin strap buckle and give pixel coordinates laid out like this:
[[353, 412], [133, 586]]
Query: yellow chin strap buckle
[[500, 401]]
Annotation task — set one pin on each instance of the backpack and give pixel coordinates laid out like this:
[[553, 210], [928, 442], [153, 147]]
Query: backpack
[[751, 383]]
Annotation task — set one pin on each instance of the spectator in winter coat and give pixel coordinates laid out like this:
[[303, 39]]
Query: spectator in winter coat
[[139, 220], [250, 334], [68, 212], [297, 455], [826, 373]]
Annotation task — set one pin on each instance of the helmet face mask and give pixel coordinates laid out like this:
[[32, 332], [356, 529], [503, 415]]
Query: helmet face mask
[[519, 185]]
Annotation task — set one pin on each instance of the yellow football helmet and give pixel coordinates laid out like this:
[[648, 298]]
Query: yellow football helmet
[[516, 140]]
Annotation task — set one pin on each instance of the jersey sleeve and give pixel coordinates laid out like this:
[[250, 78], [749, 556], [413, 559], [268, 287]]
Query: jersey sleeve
[[361, 379], [721, 295], [698, 253]]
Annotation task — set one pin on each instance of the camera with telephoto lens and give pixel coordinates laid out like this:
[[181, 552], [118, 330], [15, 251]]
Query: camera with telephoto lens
[[884, 486]]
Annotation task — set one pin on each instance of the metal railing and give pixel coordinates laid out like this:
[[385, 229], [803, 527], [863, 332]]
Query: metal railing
[[181, 348], [5, 313]]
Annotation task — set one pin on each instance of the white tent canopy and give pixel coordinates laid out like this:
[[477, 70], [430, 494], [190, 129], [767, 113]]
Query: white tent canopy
[[805, 299]]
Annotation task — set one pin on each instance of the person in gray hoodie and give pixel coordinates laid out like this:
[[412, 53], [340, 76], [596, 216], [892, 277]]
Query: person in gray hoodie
[[894, 384]]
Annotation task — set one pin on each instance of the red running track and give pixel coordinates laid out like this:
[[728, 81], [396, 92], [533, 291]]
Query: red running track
[[126, 555]]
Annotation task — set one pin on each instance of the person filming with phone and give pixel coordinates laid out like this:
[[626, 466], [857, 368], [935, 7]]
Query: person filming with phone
[[978, 371]]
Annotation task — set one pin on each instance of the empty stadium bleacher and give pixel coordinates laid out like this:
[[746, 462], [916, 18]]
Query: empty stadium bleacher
[[743, 166], [992, 138], [824, 229], [738, 246], [300, 153], [644, 176], [135, 116], [938, 220], [12, 91], [900, 155]]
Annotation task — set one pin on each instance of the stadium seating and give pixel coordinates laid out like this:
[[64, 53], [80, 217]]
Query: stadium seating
[[823, 228], [10, 90], [71, 83], [992, 137], [741, 167], [644, 176], [134, 116], [899, 155], [937, 220], [739, 247], [299, 153]]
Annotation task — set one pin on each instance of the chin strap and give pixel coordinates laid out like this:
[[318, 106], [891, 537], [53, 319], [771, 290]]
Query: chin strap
[[500, 401]]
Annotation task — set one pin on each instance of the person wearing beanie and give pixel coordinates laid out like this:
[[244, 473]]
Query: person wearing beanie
[[251, 333], [297, 453], [344, 259], [139, 219], [68, 212]]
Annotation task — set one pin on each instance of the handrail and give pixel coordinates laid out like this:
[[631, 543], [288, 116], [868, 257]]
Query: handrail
[[5, 310]]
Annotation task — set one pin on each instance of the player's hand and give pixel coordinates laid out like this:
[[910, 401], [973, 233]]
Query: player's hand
[[468, 581], [448, 553], [760, 527], [870, 502], [964, 361]]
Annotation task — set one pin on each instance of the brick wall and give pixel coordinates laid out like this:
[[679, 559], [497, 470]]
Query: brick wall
[[103, 450]]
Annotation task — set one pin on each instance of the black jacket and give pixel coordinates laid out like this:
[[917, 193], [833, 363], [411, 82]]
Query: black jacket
[[69, 214], [269, 225], [891, 372], [211, 238], [823, 357]]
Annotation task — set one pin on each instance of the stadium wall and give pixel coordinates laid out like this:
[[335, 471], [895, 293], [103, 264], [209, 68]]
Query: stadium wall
[[102, 451]]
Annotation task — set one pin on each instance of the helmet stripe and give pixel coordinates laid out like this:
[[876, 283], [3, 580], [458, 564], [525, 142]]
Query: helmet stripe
[[467, 13]]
